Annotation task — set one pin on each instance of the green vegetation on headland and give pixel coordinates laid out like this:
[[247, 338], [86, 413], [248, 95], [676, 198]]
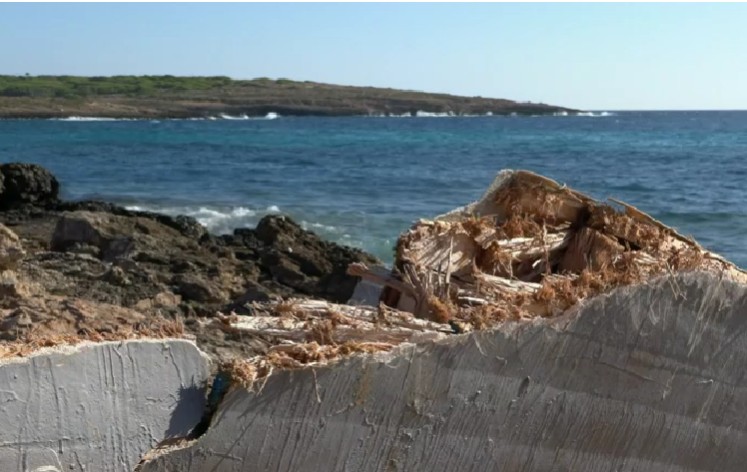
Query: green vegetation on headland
[[167, 96]]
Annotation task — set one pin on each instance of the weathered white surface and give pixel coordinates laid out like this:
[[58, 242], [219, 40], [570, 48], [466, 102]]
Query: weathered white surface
[[647, 378], [98, 407]]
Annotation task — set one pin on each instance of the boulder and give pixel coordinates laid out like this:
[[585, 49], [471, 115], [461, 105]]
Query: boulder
[[11, 287], [186, 225], [11, 250], [195, 288], [114, 236], [80, 228], [27, 184], [255, 292], [305, 262]]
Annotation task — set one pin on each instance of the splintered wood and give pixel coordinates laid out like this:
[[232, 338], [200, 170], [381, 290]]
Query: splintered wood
[[529, 248], [532, 247], [307, 333]]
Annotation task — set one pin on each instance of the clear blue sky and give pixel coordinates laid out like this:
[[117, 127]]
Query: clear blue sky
[[591, 56]]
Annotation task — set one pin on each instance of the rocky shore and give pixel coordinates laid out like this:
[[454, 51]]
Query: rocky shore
[[536, 328], [73, 268]]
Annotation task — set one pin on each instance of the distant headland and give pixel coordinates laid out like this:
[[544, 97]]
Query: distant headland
[[168, 96]]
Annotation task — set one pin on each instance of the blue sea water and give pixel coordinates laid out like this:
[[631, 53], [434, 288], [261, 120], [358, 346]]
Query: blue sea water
[[361, 181]]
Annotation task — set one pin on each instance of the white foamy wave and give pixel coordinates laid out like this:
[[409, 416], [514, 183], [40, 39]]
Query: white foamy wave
[[594, 114], [389, 115], [428, 114], [319, 227], [91, 118], [273, 209], [223, 116], [216, 220], [222, 221], [582, 113], [270, 116], [229, 117]]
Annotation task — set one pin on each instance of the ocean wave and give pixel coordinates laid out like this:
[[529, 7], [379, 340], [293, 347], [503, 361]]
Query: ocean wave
[[594, 114], [91, 118], [269, 116], [224, 116], [406, 114], [224, 220], [218, 220], [428, 114], [319, 226]]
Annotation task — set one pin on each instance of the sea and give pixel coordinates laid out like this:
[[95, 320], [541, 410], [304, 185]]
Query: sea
[[361, 181]]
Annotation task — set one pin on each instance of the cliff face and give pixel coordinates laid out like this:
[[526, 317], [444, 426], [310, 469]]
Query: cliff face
[[183, 97]]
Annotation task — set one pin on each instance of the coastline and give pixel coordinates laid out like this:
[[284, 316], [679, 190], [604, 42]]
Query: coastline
[[178, 111], [185, 98]]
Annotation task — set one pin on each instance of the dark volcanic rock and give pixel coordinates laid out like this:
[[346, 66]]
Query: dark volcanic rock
[[156, 253], [302, 260], [194, 288], [186, 225], [76, 256], [27, 184], [102, 231]]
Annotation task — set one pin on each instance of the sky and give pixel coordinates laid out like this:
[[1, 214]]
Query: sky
[[586, 56]]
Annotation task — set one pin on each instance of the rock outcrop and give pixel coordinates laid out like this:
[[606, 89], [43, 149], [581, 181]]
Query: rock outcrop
[[78, 258], [11, 249], [23, 184]]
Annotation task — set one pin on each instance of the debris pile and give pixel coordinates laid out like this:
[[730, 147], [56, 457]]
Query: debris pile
[[299, 333], [533, 248], [529, 248]]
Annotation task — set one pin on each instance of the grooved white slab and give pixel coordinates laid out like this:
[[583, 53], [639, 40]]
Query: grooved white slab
[[647, 378], [98, 406]]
